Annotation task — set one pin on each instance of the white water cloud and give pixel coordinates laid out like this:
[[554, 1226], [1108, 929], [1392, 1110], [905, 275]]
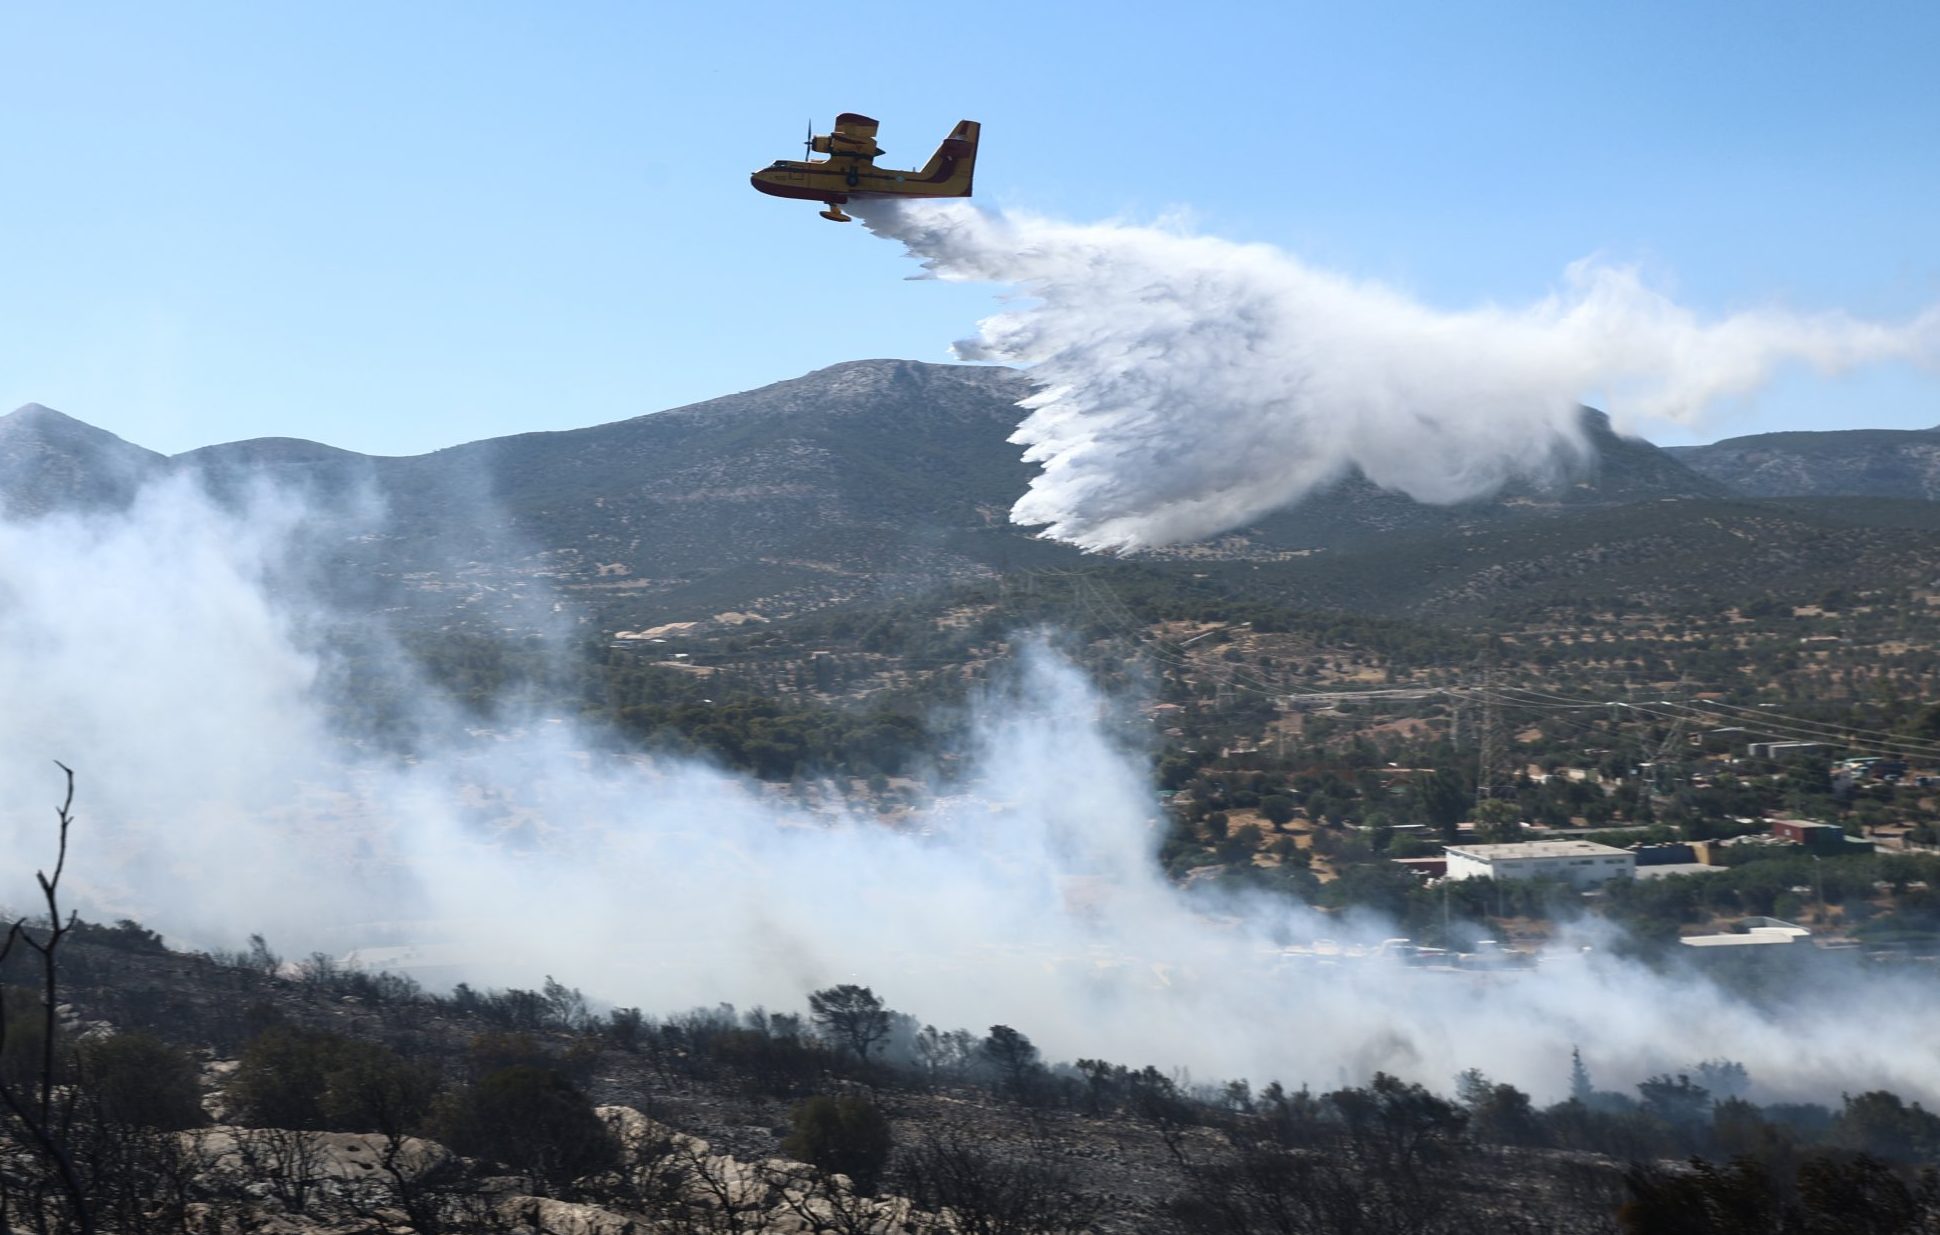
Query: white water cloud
[[1188, 384]]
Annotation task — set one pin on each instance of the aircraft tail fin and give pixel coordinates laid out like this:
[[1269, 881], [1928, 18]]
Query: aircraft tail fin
[[955, 162]]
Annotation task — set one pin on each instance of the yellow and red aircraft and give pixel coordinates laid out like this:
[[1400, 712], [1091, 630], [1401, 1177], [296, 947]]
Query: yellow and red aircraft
[[850, 171]]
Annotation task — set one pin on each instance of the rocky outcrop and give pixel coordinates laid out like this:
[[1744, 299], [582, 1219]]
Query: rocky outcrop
[[321, 1183], [330, 1157], [696, 1187], [542, 1214]]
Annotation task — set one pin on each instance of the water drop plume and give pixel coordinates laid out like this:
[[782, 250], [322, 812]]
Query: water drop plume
[[1188, 385]]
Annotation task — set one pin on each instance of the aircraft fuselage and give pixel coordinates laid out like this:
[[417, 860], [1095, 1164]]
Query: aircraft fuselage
[[845, 176]]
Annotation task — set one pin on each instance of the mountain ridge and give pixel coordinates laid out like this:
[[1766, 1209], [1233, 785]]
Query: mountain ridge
[[51, 461], [1894, 463], [869, 477]]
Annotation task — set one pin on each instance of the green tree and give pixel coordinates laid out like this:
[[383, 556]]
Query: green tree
[[853, 1015], [1497, 817], [1012, 1056], [1443, 799], [1277, 809]]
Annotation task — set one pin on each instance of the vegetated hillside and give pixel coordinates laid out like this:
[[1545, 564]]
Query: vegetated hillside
[[50, 462], [883, 478], [857, 481], [1674, 554], [861, 470], [1902, 463], [853, 479]]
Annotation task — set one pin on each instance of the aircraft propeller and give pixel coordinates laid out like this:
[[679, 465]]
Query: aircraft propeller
[[808, 143]]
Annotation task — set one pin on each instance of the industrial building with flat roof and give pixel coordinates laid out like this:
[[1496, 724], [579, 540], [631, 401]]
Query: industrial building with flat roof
[[1579, 862], [1751, 932]]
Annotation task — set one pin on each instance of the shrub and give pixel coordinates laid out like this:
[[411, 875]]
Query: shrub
[[372, 1089], [302, 1079], [138, 1079], [279, 1081], [846, 1135], [532, 1120]]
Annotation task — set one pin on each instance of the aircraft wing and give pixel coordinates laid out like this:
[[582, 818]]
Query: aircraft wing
[[855, 136], [856, 127]]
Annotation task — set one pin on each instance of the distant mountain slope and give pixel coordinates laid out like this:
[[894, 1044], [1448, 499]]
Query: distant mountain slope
[[855, 478], [49, 461], [861, 479], [288, 459], [836, 465], [1896, 463], [1674, 554]]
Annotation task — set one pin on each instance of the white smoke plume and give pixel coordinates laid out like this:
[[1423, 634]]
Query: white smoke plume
[[1189, 385], [162, 652]]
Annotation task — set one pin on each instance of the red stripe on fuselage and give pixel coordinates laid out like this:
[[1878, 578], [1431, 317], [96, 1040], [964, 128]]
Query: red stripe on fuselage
[[796, 191]]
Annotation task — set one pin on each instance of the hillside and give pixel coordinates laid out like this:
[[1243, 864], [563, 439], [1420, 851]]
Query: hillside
[[309, 1099], [863, 479], [50, 462], [1355, 512], [1897, 463], [882, 478], [1678, 555]]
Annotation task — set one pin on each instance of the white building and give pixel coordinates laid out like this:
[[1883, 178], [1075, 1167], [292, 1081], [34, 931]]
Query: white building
[[1579, 862], [1751, 933]]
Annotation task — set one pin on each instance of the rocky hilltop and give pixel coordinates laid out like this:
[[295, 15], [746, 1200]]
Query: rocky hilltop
[[1894, 463], [52, 462]]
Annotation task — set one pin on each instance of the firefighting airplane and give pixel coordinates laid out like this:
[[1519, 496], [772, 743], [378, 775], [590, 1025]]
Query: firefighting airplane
[[850, 171]]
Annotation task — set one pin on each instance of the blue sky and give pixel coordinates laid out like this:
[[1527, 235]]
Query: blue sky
[[395, 227]]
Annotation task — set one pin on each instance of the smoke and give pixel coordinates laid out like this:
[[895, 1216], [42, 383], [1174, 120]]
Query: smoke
[[1189, 385], [168, 654]]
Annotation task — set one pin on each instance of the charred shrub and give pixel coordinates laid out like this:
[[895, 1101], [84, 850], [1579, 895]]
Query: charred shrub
[[991, 1193]]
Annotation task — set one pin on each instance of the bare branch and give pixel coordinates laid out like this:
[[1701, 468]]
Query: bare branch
[[34, 1112]]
